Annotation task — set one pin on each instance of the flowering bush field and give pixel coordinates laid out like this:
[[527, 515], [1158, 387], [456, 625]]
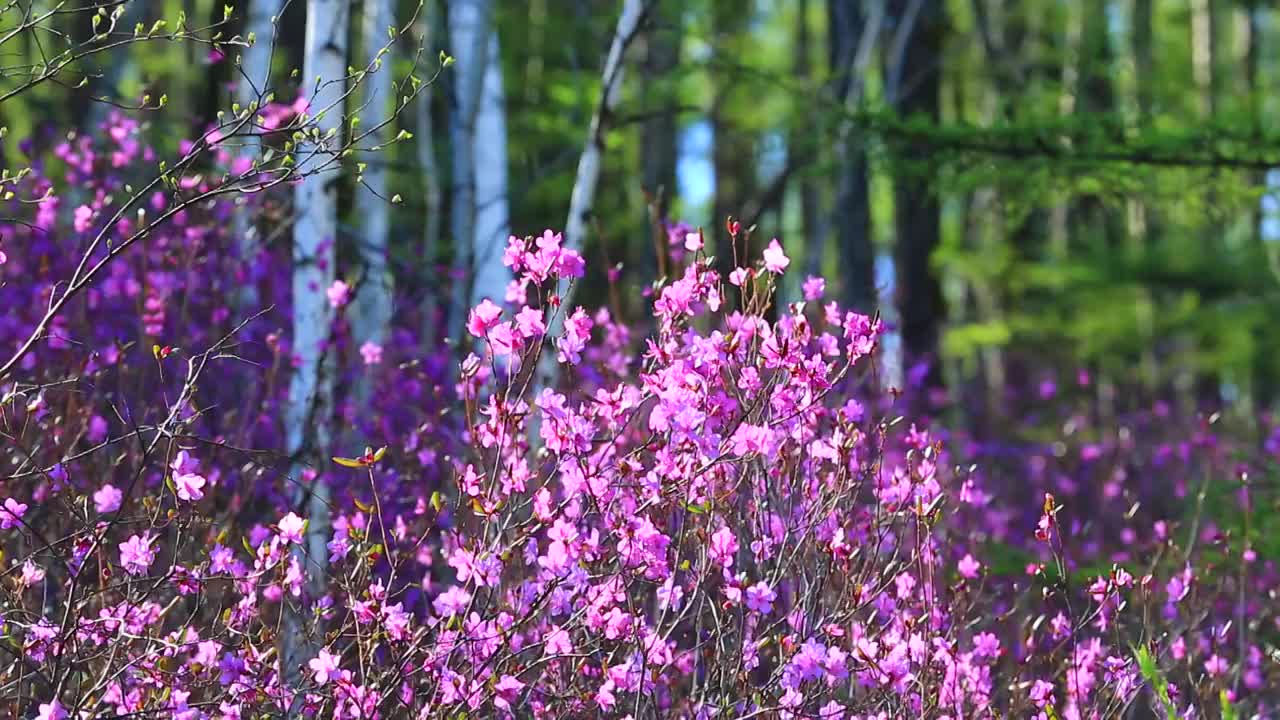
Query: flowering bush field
[[727, 518]]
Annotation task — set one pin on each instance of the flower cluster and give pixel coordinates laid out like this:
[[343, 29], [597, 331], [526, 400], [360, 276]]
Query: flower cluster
[[727, 518]]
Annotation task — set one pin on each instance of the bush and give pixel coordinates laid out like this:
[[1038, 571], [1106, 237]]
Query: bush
[[730, 519]]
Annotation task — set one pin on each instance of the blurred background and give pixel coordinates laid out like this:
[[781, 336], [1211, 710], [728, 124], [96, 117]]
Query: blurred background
[[1029, 191]]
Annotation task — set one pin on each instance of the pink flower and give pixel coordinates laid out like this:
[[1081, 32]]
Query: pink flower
[[1121, 577], [748, 439], [775, 261], [513, 255], [338, 293], [3, 258], [483, 318], [760, 598], [136, 554], [183, 462], [693, 242], [507, 691], [107, 499], [1041, 693], [739, 276], [724, 544], [291, 528], [986, 645], [371, 352], [503, 340], [325, 666], [452, 602], [558, 642], [577, 330], [10, 513], [82, 218], [189, 486], [813, 288], [969, 567], [529, 323], [31, 573], [51, 710], [1217, 666]]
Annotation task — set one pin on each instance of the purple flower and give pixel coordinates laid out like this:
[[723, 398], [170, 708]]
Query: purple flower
[[137, 554], [507, 691], [83, 218], [724, 544], [760, 598], [1041, 693], [371, 353], [230, 668], [452, 602], [986, 645], [775, 260], [484, 317], [107, 499], [51, 710], [189, 486], [324, 666], [338, 293], [11, 513], [1217, 666], [291, 528], [557, 642], [813, 288]]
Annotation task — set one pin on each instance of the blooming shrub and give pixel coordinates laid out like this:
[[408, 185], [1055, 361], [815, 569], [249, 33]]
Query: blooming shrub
[[725, 519]]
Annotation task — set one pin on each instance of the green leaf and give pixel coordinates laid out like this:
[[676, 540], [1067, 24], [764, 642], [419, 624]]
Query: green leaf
[[1155, 677], [1228, 712]]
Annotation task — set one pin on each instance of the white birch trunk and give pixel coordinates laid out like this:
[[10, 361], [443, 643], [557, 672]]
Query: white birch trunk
[[468, 36], [588, 177], [492, 224], [371, 309], [314, 237], [251, 91]]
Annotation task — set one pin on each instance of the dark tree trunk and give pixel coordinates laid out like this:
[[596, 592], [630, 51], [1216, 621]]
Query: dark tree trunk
[[734, 151], [852, 226], [658, 134], [920, 303]]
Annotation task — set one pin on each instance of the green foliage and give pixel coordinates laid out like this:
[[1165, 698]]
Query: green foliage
[[1154, 676], [1097, 204]]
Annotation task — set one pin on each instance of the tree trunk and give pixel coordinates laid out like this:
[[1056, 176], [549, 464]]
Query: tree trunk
[[589, 163], [314, 238], [920, 302], [252, 85], [492, 225], [658, 133], [434, 200], [733, 153], [811, 239], [310, 406], [846, 24], [469, 28], [371, 309]]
